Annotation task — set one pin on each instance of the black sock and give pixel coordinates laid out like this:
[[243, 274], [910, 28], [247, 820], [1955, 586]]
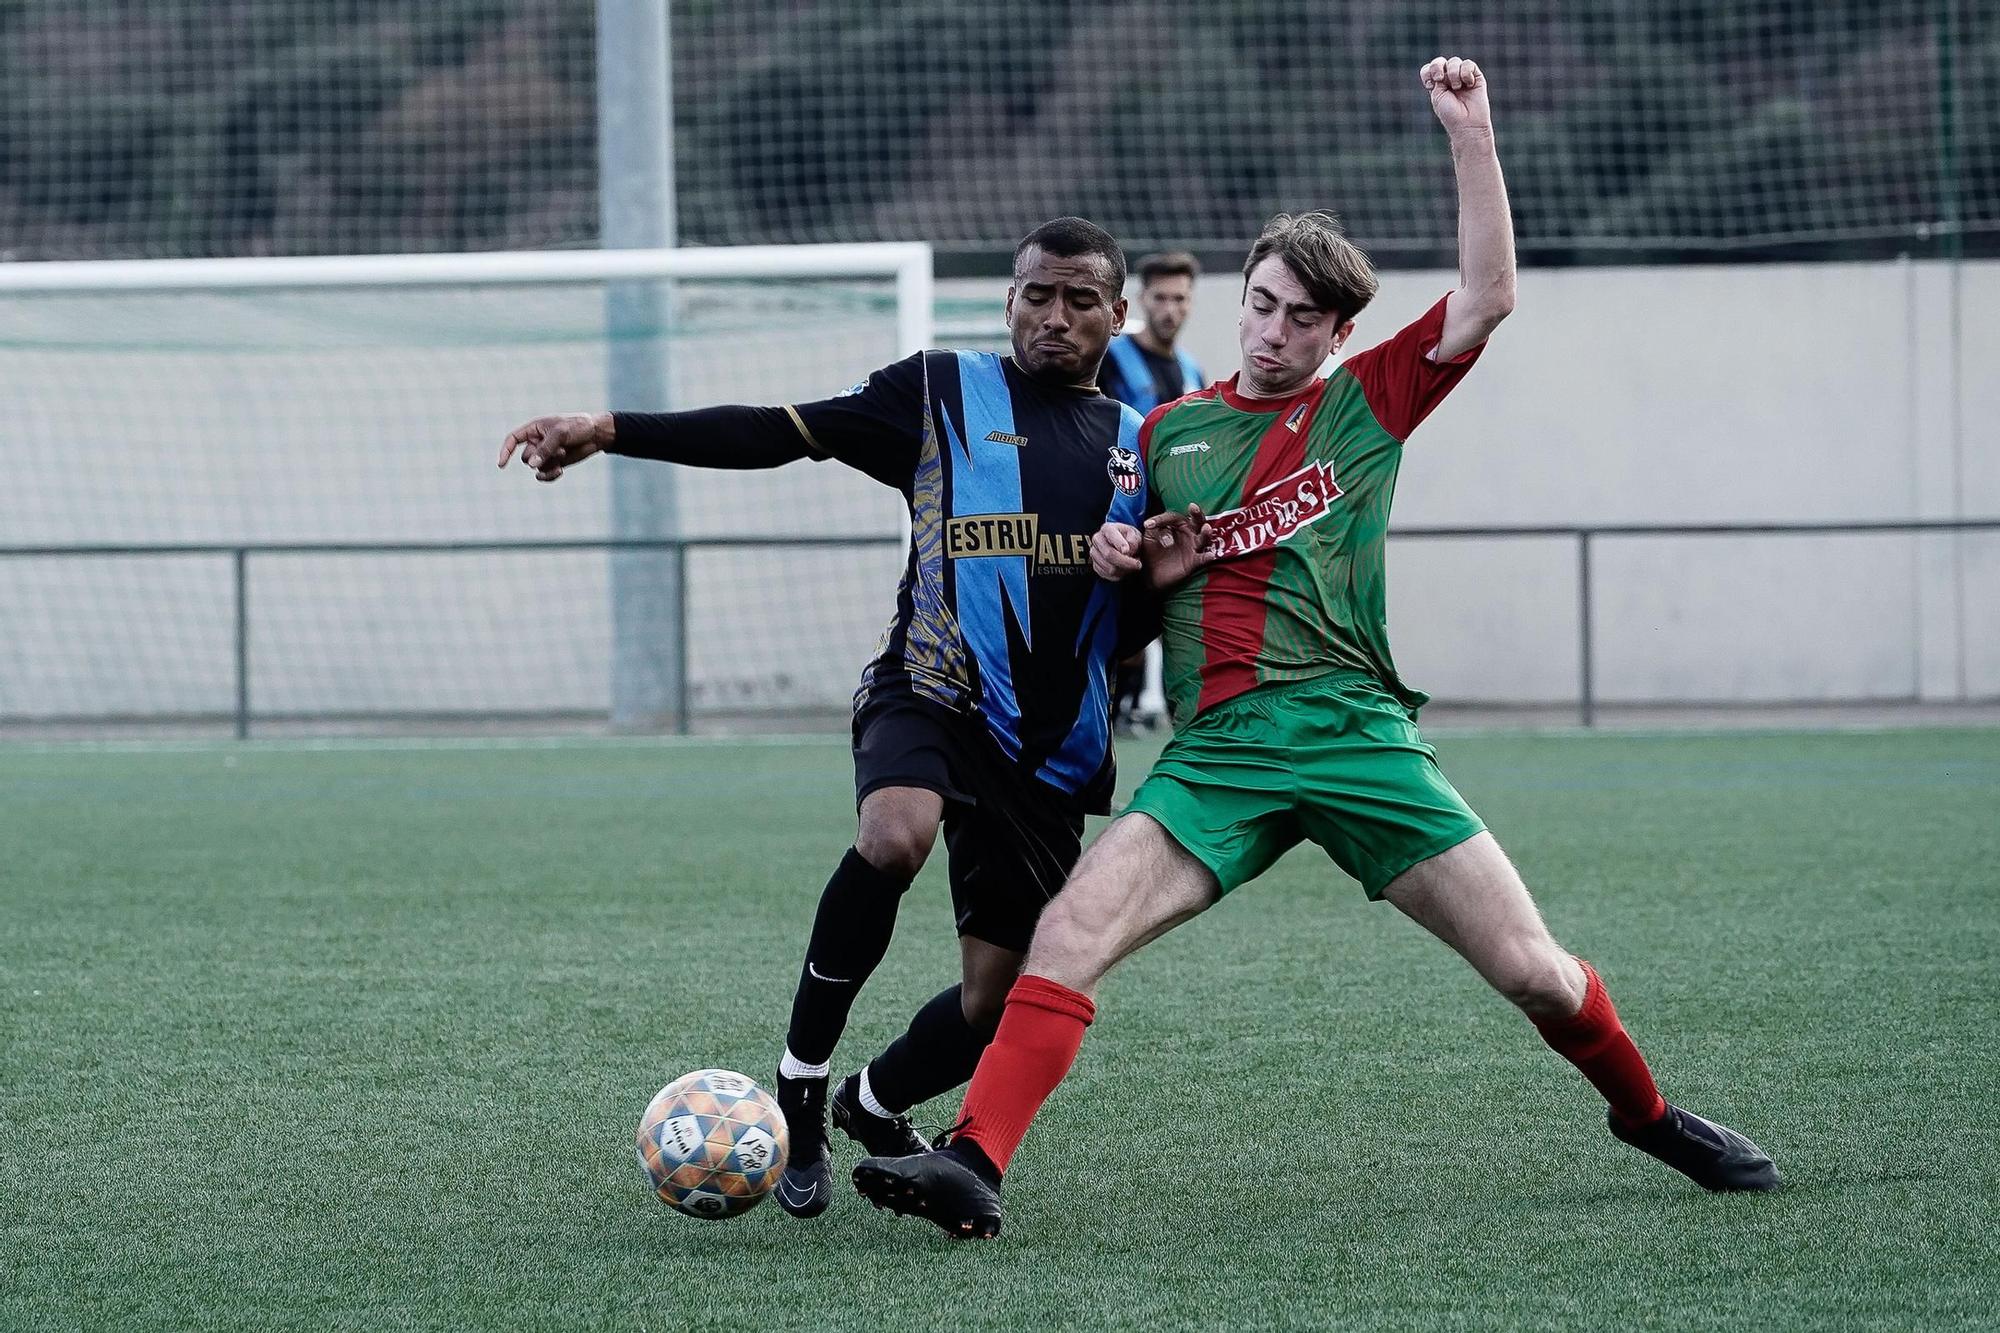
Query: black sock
[[850, 936], [970, 1153], [938, 1053], [803, 1100]]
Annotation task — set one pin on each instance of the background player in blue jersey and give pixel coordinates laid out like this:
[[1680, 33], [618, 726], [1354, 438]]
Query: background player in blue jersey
[[1142, 369], [1146, 366], [986, 709]]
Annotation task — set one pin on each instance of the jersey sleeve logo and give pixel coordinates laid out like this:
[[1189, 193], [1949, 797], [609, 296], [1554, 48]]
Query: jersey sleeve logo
[[1274, 513], [1124, 469]]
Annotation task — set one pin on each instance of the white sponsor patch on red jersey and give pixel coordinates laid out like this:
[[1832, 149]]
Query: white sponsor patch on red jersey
[[1274, 513]]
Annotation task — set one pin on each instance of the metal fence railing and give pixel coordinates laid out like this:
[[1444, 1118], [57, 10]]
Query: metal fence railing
[[1586, 537]]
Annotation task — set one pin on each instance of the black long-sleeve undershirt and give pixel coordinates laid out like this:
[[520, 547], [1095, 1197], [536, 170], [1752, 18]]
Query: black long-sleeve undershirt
[[722, 437]]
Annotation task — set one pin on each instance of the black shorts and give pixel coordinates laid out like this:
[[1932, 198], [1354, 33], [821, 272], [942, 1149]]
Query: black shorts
[[1012, 839]]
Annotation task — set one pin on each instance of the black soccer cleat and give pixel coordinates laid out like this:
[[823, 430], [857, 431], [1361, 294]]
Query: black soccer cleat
[[806, 1187], [936, 1186], [879, 1136], [1714, 1156]]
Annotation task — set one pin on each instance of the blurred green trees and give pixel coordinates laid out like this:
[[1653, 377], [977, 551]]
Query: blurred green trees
[[200, 127]]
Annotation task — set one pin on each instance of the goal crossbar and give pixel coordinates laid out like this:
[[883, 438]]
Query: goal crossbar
[[907, 263]]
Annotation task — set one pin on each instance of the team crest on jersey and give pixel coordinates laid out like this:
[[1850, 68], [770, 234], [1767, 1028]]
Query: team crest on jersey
[[1124, 470], [1274, 513], [1298, 415]]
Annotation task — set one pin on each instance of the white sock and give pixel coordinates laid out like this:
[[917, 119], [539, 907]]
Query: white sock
[[793, 1067], [868, 1102]]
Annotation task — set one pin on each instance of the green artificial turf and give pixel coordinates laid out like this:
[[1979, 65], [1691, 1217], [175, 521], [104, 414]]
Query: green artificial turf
[[358, 1039]]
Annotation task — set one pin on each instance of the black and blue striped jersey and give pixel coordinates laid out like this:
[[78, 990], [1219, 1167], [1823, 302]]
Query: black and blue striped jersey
[[998, 614]]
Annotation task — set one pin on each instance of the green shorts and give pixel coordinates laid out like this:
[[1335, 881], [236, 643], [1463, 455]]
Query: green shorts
[[1336, 759]]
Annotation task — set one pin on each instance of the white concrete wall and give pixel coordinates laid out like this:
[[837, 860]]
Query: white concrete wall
[[1657, 395], [1700, 395]]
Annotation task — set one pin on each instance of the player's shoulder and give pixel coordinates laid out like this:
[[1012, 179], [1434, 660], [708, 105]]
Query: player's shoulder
[[936, 358], [956, 359], [1414, 341], [904, 371], [1105, 407], [946, 369], [1178, 410], [1197, 399], [1131, 421]]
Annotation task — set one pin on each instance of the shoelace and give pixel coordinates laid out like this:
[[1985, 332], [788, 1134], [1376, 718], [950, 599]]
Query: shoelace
[[902, 1125], [945, 1138]]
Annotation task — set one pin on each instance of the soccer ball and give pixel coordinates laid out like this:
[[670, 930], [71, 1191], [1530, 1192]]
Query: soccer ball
[[713, 1143]]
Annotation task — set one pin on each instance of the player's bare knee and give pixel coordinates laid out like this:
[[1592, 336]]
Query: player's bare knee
[[1064, 926], [988, 974], [982, 1002], [896, 846], [899, 826], [1537, 977], [1068, 945]]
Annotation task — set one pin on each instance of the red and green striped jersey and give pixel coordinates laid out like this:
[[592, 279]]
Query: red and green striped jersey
[[1297, 490]]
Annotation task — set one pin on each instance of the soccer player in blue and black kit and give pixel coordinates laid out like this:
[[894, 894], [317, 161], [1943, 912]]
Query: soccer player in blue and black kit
[[986, 709]]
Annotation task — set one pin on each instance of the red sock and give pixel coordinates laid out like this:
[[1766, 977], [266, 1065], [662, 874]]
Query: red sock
[[1040, 1033], [1595, 1042]]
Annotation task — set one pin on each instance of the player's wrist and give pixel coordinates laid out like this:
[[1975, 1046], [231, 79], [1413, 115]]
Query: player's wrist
[[1471, 139], [604, 429]]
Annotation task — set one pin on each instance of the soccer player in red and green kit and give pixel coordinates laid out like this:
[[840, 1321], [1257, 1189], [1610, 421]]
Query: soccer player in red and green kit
[[1291, 721]]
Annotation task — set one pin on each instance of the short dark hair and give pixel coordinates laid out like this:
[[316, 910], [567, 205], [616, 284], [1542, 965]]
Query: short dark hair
[[1067, 238], [1330, 267], [1168, 264]]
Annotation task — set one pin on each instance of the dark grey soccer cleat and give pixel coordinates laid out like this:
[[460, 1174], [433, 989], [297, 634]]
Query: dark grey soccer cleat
[[936, 1186], [879, 1136], [1714, 1156], [806, 1187]]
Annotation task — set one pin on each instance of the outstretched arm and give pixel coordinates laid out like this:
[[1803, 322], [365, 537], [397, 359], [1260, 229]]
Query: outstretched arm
[[724, 437], [1485, 294], [873, 427]]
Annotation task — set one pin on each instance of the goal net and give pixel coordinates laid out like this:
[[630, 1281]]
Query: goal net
[[263, 492], [214, 127]]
